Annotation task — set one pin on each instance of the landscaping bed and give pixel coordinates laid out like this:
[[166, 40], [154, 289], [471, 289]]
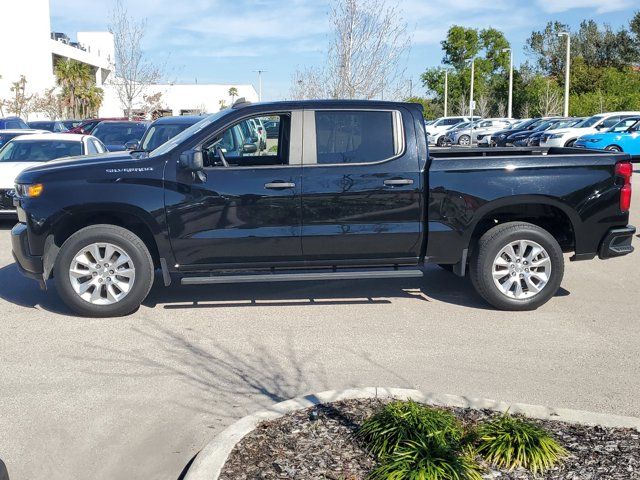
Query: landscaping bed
[[321, 443]]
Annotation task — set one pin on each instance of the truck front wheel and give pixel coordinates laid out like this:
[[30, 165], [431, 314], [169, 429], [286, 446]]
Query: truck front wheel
[[517, 266], [103, 271]]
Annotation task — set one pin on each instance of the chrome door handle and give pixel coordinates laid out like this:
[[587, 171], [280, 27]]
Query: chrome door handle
[[279, 185], [396, 182]]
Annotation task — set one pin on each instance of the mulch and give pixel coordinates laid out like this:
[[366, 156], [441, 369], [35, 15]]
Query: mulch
[[319, 444]]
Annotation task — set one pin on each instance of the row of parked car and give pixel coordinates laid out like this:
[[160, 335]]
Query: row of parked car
[[23, 145], [613, 131]]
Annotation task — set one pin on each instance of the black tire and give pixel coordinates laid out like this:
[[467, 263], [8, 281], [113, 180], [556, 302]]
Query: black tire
[[440, 142], [488, 248], [613, 148], [122, 238]]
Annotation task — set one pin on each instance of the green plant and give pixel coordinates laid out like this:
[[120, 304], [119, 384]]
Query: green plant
[[399, 423], [421, 459], [510, 442]]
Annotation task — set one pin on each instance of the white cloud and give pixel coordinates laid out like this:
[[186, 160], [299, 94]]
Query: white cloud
[[599, 6]]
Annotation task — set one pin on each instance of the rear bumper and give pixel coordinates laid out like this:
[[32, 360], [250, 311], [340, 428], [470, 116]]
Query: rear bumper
[[29, 265], [617, 242]]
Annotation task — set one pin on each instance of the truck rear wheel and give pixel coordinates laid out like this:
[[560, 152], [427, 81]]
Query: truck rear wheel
[[517, 266], [103, 271]]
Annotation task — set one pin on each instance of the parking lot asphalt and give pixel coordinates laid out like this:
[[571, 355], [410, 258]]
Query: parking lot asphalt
[[137, 397]]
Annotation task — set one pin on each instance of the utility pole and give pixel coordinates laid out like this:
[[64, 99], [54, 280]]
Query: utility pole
[[471, 102], [260, 72], [510, 102], [567, 69], [446, 91]]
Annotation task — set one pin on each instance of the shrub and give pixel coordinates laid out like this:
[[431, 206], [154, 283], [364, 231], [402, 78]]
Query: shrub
[[509, 442], [399, 423], [421, 459]]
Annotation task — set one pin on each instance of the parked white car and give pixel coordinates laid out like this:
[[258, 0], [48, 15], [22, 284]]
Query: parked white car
[[28, 150], [6, 135], [443, 123], [566, 137]]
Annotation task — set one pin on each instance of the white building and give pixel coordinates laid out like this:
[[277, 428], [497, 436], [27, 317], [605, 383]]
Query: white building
[[32, 49]]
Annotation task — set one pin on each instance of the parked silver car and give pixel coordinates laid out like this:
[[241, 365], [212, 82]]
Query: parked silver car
[[478, 130]]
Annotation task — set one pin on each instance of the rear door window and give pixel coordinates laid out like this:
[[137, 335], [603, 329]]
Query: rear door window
[[354, 136]]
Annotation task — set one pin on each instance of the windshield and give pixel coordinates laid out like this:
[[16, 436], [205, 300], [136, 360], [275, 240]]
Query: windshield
[[624, 125], [118, 133], [591, 121], [38, 150], [161, 133], [186, 134]]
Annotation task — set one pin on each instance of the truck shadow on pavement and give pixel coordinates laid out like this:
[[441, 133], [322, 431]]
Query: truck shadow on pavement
[[437, 285]]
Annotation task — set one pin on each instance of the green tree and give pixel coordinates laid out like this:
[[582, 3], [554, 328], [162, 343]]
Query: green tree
[[233, 93], [491, 64], [75, 79], [429, 108]]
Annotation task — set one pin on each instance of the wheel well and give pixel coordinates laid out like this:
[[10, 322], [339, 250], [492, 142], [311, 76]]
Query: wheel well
[[125, 220], [551, 218], [570, 141]]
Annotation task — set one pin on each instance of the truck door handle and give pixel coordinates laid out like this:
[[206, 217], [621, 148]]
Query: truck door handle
[[396, 182], [279, 185]]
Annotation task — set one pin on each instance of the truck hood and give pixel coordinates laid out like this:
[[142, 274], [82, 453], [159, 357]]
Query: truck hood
[[32, 174], [72, 162], [10, 170]]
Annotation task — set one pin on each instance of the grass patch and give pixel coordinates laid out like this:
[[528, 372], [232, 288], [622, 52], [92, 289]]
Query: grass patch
[[423, 460], [399, 423], [413, 441], [509, 442]]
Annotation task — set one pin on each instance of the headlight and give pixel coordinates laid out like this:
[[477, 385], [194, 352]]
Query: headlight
[[557, 135], [592, 140], [29, 191]]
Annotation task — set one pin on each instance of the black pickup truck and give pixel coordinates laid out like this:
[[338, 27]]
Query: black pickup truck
[[346, 190]]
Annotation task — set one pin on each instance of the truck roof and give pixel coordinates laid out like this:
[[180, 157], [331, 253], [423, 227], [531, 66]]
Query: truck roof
[[311, 104]]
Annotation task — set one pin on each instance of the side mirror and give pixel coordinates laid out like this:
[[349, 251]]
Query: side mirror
[[132, 145], [191, 160], [249, 148]]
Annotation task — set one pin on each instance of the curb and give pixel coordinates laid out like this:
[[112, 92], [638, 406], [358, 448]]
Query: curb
[[209, 462]]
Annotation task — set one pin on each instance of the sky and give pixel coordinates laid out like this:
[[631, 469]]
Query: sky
[[225, 41]]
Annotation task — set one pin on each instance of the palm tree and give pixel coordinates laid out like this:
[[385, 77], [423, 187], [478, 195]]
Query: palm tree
[[73, 77], [233, 93]]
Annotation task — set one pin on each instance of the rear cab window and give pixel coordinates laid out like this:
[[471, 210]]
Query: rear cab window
[[355, 136]]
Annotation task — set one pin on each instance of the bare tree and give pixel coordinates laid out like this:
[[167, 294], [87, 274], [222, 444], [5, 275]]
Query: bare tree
[[132, 73], [365, 57], [501, 109], [20, 103], [50, 103], [525, 111], [463, 105], [549, 101], [151, 104], [482, 106]]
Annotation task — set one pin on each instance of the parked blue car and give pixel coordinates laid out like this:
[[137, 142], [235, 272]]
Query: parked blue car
[[624, 136]]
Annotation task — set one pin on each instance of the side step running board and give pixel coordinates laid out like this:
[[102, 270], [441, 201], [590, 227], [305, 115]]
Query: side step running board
[[295, 277]]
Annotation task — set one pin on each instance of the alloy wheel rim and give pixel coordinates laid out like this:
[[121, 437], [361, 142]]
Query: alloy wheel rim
[[464, 140], [522, 269], [102, 273]]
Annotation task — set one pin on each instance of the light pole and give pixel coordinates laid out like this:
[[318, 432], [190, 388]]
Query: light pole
[[446, 90], [260, 72], [510, 101], [471, 102], [567, 69]]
